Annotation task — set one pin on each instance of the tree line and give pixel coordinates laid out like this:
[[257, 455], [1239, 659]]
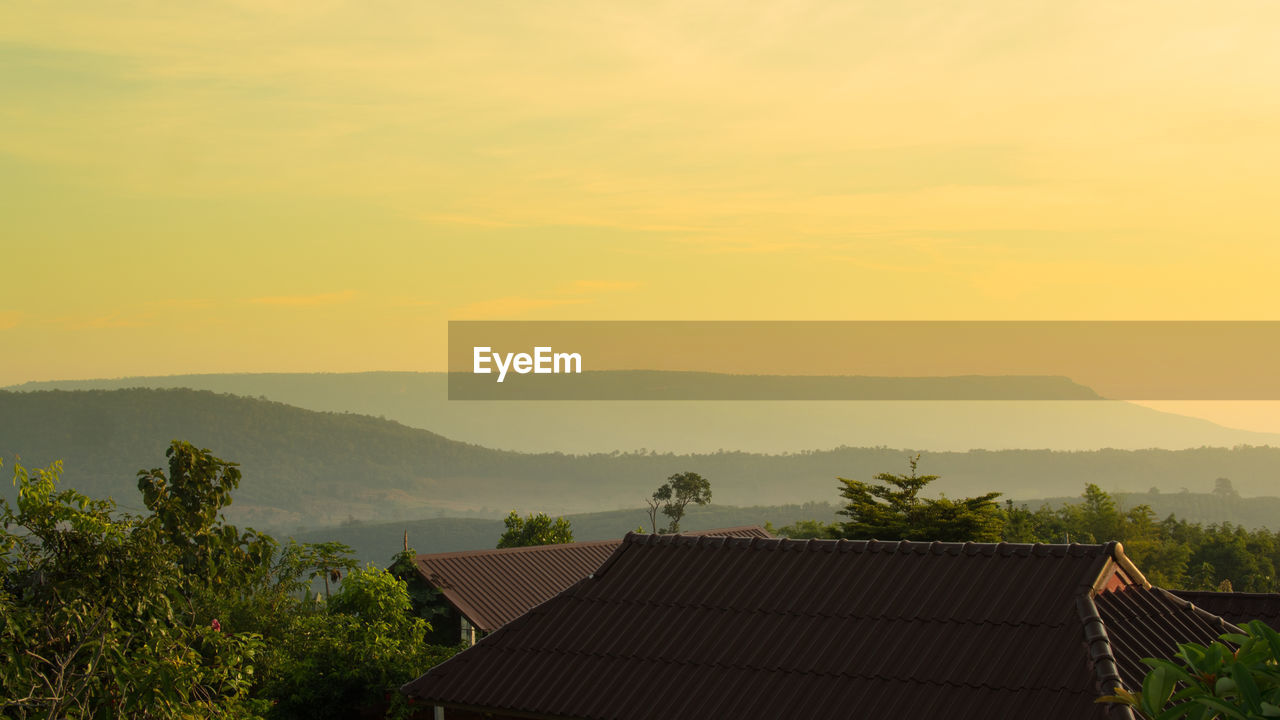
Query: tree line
[[1171, 552]]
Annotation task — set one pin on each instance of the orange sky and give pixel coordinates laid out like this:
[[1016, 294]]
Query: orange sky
[[321, 186]]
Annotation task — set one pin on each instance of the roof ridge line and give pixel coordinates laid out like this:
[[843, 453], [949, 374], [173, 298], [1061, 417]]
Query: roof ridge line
[[628, 540], [1226, 625], [896, 547], [1105, 671]]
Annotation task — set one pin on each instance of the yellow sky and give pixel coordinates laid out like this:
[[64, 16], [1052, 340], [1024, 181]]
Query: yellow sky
[[320, 185]]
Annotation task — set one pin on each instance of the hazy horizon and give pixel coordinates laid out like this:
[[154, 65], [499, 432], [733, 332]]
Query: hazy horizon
[[420, 400], [302, 187]]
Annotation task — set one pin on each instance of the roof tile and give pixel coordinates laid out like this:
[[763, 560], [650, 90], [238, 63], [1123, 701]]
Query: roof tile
[[494, 587], [683, 627], [1237, 607]]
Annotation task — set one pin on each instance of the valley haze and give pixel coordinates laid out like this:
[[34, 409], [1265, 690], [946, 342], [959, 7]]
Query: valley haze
[[322, 449]]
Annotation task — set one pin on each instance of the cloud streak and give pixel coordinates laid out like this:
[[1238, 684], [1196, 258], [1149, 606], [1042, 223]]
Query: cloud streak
[[317, 300], [505, 308]]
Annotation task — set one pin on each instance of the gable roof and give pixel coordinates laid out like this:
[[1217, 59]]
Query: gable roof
[[1237, 607], [685, 627], [493, 587]]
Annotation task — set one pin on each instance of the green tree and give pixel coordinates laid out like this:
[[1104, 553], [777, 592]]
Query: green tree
[[326, 560], [176, 614], [677, 493], [535, 530], [1099, 519], [215, 557], [351, 657], [95, 619], [1223, 488], [892, 509], [424, 600], [803, 529]]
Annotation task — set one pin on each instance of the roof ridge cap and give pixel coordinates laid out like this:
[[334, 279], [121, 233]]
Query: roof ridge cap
[[1115, 549], [1105, 671], [1223, 624], [629, 540]]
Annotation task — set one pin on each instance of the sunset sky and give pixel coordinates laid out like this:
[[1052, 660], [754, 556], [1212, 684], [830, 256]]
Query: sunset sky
[[320, 185]]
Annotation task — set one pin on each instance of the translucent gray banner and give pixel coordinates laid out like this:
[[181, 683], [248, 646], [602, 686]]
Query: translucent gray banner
[[918, 360]]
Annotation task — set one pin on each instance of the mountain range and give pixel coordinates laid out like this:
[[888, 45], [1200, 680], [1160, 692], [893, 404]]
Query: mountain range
[[306, 468], [421, 400]]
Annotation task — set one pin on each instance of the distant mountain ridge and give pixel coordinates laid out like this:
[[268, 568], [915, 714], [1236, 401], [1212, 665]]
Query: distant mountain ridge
[[421, 400], [649, 385], [307, 468]]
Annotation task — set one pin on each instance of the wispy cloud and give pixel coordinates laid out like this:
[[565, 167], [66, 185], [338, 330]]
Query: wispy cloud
[[472, 220], [99, 322], [9, 319], [510, 307], [595, 286], [412, 302], [186, 303], [333, 298]]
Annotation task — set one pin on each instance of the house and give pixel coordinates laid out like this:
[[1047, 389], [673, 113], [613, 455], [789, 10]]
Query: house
[[487, 589], [676, 627], [1237, 607]]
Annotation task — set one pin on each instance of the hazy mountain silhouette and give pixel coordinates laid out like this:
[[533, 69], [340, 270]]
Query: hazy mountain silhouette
[[312, 468], [420, 400]]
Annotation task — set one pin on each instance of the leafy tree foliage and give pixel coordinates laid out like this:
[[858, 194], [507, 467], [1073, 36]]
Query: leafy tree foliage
[[97, 617], [1172, 553], [803, 530], [892, 509], [1238, 677], [353, 656], [176, 614], [1222, 487], [425, 601], [676, 494], [328, 560], [535, 530]]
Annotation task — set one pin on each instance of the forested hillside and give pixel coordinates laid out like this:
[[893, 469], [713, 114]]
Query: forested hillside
[[421, 400], [305, 468]]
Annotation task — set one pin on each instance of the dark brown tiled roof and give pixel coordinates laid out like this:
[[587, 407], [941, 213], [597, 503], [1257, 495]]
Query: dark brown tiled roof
[[493, 587], [1237, 607], [681, 627], [1150, 622]]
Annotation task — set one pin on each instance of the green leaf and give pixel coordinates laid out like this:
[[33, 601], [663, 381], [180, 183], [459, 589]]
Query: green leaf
[[1157, 686], [1221, 707], [1248, 688], [1224, 686], [1172, 668], [1177, 711]]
